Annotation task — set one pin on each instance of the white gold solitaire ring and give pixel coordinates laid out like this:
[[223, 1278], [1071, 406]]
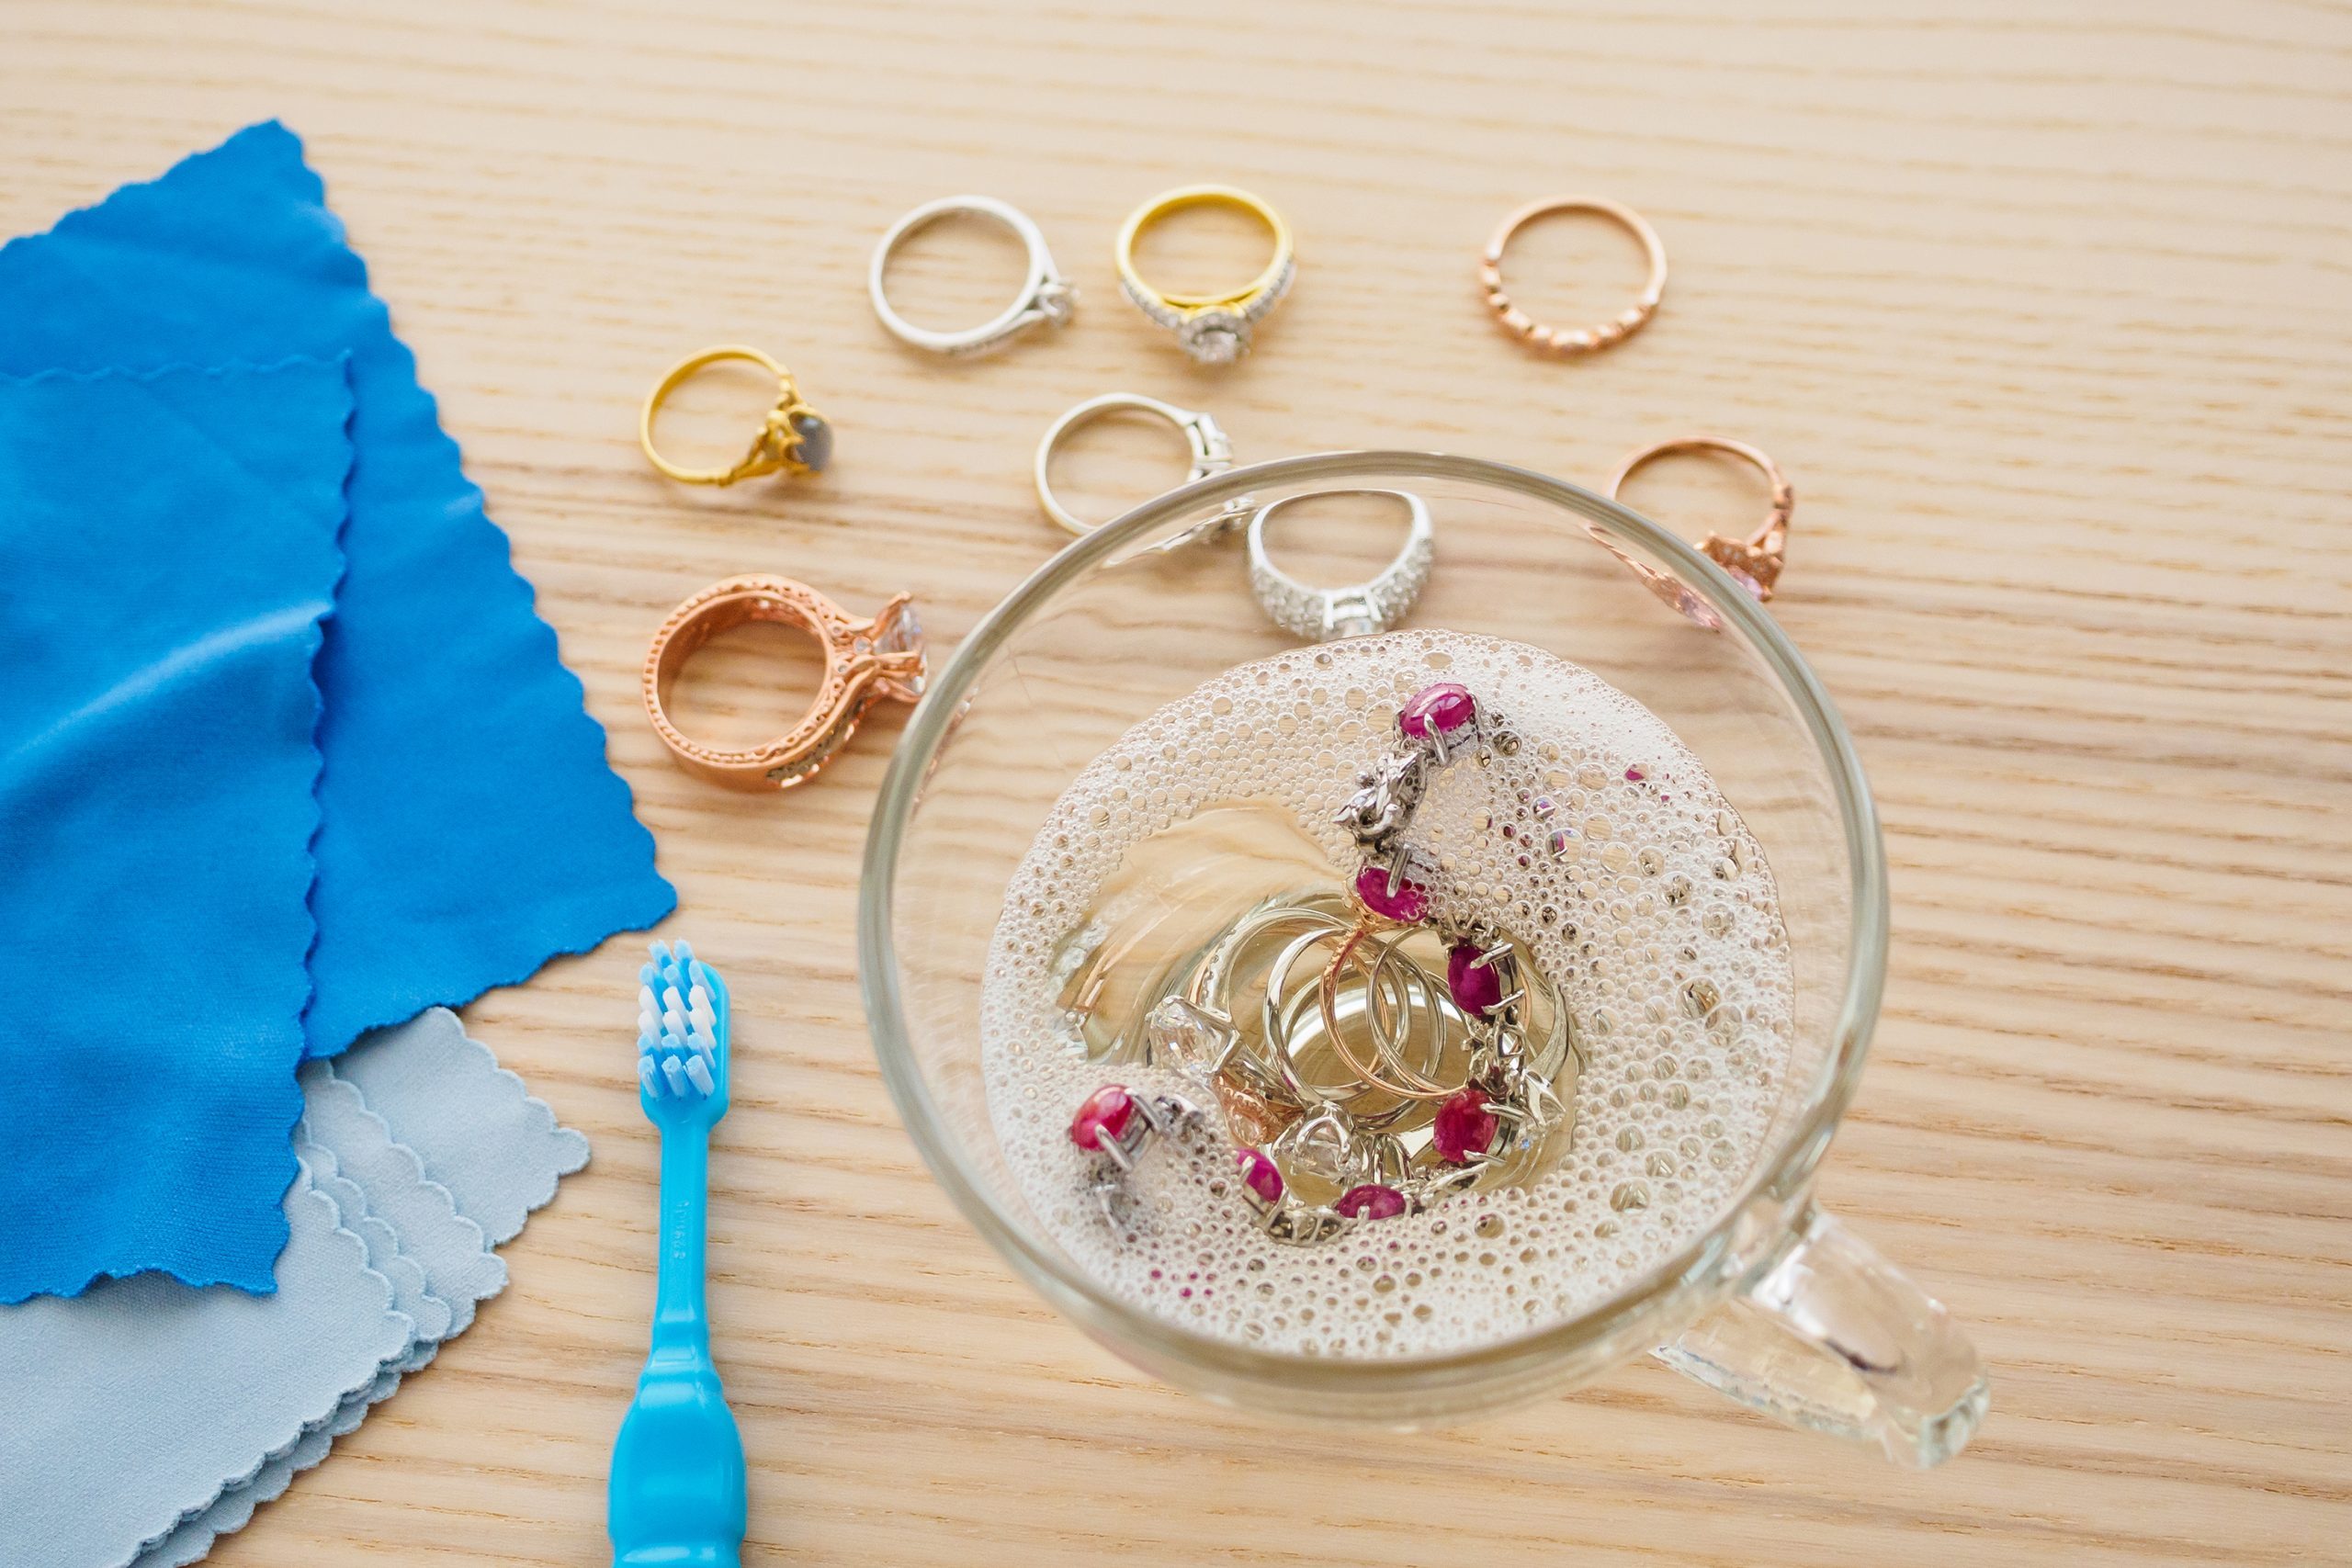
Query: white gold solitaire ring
[[1046, 295]]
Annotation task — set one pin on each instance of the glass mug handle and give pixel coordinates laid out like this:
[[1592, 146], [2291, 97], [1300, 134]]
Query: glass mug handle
[[1834, 1338]]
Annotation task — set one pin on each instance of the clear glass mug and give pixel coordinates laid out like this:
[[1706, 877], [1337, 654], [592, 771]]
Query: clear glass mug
[[1773, 1301]]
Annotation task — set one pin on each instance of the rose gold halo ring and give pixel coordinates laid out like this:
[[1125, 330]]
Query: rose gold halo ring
[[866, 662], [1755, 561], [1569, 343]]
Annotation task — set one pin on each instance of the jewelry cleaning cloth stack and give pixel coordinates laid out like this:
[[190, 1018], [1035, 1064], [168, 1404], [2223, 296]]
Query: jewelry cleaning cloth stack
[[286, 754], [142, 1419]]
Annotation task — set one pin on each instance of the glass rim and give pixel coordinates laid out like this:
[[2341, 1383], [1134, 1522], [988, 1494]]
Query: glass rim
[[1678, 1279]]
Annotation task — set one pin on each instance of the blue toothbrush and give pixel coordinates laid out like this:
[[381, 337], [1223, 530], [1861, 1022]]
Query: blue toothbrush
[[676, 1496]]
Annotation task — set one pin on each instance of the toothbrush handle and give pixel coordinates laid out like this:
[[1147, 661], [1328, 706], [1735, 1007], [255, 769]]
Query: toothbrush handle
[[680, 1328]]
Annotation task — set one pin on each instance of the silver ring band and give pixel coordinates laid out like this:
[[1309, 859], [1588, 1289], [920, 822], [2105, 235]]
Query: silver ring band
[[1046, 295], [1319, 614], [1212, 448]]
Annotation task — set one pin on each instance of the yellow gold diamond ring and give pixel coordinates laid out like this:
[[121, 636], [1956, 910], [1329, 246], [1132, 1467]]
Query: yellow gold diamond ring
[[1213, 328]]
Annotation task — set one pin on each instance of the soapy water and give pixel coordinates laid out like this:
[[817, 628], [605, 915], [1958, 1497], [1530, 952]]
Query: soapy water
[[1601, 841]]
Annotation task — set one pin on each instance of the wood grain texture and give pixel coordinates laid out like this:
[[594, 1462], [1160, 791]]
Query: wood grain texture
[[2045, 310]]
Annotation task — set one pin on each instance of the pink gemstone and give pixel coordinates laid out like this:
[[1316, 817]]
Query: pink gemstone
[[1371, 1202], [1755, 589], [1442, 708], [1107, 1110], [1477, 987], [1697, 610], [1259, 1175], [1407, 904], [1463, 1127]]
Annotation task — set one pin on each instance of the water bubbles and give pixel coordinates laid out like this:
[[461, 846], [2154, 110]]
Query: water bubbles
[[1656, 886]]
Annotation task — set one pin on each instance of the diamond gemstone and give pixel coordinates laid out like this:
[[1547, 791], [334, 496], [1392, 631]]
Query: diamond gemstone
[[904, 634], [1216, 338], [1316, 1148], [1191, 1039], [1057, 301]]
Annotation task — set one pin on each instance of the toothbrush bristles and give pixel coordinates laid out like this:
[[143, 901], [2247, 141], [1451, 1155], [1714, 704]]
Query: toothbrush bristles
[[677, 1025]]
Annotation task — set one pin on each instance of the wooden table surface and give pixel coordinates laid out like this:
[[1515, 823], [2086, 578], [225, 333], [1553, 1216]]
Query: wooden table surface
[[2046, 311]]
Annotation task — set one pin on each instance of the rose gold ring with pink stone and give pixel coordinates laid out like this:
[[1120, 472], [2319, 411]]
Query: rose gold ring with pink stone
[[1753, 562]]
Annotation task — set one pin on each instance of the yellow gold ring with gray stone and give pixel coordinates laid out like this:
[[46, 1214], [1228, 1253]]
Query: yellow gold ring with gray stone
[[793, 439]]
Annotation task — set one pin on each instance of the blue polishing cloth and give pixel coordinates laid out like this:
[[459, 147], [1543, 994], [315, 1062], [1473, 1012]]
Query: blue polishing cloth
[[470, 829], [167, 553]]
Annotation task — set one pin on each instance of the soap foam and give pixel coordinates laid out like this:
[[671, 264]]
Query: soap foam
[[1658, 921]]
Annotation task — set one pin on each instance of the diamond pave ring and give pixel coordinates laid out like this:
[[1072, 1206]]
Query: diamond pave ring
[[1214, 328], [1321, 614]]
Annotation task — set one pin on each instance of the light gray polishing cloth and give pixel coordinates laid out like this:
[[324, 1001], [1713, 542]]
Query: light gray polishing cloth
[[137, 1402], [496, 1150], [457, 1144], [227, 1405]]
